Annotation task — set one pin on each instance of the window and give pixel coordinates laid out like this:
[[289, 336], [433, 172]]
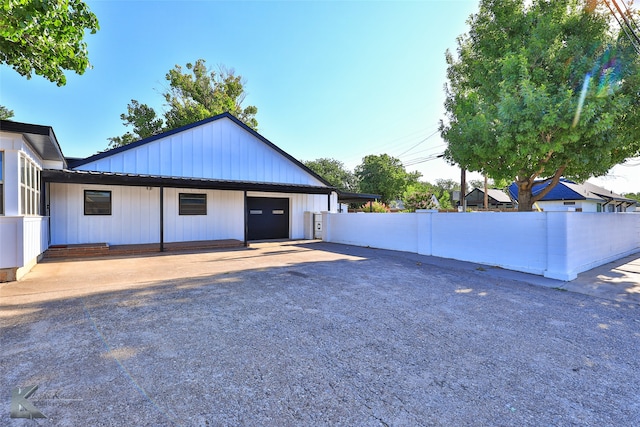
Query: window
[[1, 183], [29, 187], [192, 204], [97, 202]]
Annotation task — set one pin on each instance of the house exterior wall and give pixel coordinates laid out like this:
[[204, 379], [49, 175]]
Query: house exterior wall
[[135, 217], [559, 205], [585, 205], [558, 245], [216, 150], [224, 218], [22, 238], [13, 146]]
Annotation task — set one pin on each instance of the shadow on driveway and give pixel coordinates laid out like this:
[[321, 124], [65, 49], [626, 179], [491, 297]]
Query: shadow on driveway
[[312, 334]]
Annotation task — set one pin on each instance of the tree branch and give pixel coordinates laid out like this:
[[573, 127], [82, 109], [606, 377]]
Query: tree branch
[[554, 180]]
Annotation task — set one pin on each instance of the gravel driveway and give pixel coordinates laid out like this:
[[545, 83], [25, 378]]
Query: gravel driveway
[[299, 334]]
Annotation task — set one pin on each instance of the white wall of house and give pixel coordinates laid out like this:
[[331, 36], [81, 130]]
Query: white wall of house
[[224, 218], [13, 145], [558, 245], [22, 238], [135, 217], [585, 205], [298, 205], [216, 150]]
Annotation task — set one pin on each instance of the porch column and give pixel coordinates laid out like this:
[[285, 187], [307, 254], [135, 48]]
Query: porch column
[[246, 220], [161, 219]]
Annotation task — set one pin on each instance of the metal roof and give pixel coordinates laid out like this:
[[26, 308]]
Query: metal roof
[[41, 138], [112, 178], [569, 190]]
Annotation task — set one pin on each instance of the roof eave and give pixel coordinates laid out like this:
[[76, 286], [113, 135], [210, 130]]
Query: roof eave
[[107, 178]]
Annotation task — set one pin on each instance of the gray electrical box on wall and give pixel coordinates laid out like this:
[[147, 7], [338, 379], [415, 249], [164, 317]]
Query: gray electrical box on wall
[[317, 226], [312, 225]]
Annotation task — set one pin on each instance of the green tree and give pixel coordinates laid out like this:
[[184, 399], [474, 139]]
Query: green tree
[[205, 93], [191, 96], [335, 173], [418, 199], [145, 123], [384, 175], [45, 37], [5, 113], [634, 196], [541, 89], [492, 183]]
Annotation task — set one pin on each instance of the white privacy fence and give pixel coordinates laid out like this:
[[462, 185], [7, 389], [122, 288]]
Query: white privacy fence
[[558, 245]]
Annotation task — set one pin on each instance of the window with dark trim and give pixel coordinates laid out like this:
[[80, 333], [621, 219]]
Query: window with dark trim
[[192, 204], [97, 202]]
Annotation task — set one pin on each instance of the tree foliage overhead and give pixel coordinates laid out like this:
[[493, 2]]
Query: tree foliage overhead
[[205, 93], [145, 123], [45, 37], [540, 89], [384, 175], [5, 113], [335, 173], [191, 96]]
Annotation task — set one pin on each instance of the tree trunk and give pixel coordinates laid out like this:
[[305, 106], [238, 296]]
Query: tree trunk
[[486, 195], [525, 196]]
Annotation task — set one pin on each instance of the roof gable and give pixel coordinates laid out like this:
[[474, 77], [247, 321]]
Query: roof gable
[[220, 147]]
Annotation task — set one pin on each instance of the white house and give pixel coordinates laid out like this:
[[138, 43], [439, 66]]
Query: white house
[[211, 180], [585, 197]]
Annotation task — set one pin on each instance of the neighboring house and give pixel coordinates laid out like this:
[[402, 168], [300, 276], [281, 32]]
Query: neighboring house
[[585, 197], [498, 199], [212, 180]]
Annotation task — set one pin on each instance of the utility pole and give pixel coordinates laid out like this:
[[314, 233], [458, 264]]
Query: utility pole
[[486, 196]]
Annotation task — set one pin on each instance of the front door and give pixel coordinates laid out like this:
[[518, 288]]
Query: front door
[[268, 218]]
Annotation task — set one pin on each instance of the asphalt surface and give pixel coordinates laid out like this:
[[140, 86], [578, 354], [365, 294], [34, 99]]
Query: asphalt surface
[[297, 334]]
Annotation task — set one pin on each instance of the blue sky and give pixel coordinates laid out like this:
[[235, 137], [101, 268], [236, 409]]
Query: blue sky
[[330, 78]]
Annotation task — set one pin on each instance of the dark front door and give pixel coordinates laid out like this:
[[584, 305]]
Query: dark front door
[[268, 218]]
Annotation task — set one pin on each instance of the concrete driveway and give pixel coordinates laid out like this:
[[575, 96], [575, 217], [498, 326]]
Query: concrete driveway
[[300, 333]]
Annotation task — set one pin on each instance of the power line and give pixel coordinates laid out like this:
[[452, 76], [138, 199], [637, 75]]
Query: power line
[[414, 146], [422, 160], [435, 147]]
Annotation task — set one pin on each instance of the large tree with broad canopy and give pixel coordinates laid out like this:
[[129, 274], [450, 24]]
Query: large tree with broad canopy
[[542, 89]]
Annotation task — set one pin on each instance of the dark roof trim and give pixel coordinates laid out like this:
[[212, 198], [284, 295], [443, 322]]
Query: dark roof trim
[[346, 197], [109, 178], [36, 135], [191, 126]]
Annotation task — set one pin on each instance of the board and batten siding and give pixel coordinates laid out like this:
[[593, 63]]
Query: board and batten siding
[[134, 215], [224, 218], [216, 150]]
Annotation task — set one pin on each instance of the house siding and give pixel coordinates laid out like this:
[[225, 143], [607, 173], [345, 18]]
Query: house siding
[[216, 150], [135, 217]]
